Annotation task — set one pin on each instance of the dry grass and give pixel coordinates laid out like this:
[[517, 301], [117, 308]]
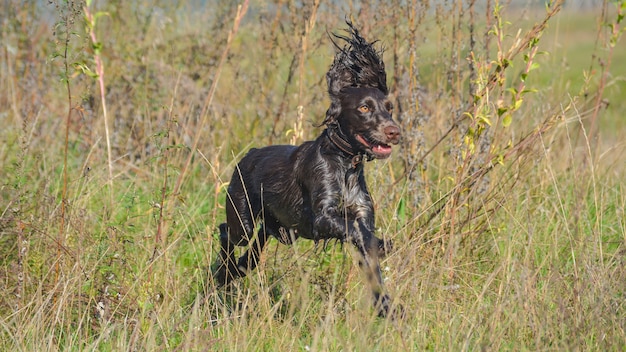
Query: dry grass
[[506, 206]]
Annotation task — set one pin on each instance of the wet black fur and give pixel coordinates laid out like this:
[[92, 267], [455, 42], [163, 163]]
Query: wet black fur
[[317, 190]]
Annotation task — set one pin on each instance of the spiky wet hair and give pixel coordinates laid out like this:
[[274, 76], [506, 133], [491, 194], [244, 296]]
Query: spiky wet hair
[[356, 64]]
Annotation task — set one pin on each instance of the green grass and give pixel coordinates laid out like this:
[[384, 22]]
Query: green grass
[[529, 257]]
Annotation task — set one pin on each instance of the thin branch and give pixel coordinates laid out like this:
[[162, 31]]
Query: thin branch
[[241, 11]]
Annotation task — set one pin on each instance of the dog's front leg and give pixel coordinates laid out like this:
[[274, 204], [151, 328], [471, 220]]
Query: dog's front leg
[[367, 252], [368, 249]]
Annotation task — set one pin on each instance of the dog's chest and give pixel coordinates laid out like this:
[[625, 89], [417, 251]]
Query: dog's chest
[[354, 197]]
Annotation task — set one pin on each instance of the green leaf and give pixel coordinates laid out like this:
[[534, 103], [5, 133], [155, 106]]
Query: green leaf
[[469, 135], [99, 14], [97, 48], [484, 119], [533, 42], [84, 69], [401, 211], [506, 121]]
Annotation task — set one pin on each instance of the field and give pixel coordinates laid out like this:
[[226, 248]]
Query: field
[[122, 122]]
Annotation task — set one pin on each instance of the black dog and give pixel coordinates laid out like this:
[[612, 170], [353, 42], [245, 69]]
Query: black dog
[[317, 190]]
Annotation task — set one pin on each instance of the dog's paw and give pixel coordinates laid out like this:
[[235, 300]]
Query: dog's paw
[[224, 275], [389, 311], [219, 276], [397, 313], [385, 247]]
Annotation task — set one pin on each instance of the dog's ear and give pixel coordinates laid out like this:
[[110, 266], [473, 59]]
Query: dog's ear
[[333, 112]]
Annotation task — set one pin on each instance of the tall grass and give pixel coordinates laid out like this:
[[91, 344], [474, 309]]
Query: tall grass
[[505, 201]]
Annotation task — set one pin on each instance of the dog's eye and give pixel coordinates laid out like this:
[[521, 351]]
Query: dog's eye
[[364, 108], [389, 108]]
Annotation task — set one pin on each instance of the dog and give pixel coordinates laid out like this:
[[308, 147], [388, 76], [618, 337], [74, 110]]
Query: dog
[[317, 190]]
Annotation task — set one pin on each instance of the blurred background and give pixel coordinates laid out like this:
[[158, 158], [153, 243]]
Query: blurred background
[[122, 122]]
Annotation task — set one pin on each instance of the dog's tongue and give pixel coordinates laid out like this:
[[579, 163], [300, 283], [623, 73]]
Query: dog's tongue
[[382, 150]]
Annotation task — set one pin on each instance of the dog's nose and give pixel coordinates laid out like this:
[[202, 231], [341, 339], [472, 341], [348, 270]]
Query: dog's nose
[[392, 133]]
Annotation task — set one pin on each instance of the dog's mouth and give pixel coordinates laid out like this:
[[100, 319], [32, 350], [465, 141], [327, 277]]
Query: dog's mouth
[[378, 150]]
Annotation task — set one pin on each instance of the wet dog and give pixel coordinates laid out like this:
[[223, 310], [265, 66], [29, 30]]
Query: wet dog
[[317, 190]]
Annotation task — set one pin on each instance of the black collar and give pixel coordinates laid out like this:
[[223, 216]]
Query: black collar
[[345, 146]]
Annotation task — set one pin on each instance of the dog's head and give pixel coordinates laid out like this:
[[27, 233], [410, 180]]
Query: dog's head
[[365, 121], [359, 107], [357, 64]]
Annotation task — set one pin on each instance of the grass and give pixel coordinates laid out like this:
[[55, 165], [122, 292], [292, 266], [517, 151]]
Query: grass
[[506, 238]]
